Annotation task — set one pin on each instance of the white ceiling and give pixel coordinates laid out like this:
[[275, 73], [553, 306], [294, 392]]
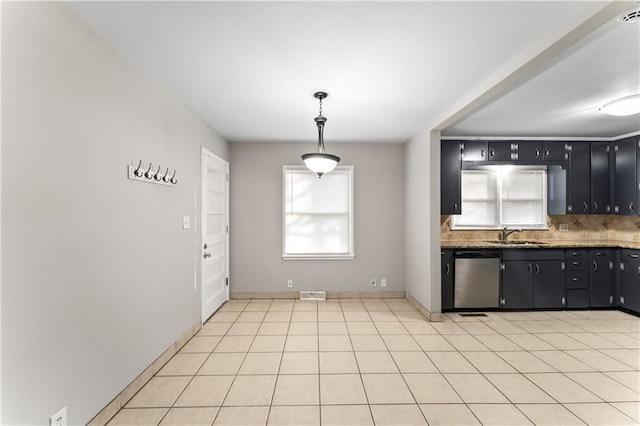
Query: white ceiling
[[392, 69]]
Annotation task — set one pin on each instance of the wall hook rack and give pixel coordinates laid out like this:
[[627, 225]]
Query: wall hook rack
[[152, 174]]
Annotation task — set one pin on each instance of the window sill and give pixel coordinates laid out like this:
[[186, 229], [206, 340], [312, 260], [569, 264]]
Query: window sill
[[319, 257]]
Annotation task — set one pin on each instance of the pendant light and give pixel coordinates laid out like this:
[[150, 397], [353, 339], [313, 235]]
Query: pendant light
[[320, 162]]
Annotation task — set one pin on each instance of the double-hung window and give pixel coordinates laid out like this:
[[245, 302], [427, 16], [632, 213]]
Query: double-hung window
[[496, 197], [318, 214]]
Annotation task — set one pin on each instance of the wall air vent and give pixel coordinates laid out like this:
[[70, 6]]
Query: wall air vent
[[632, 16]]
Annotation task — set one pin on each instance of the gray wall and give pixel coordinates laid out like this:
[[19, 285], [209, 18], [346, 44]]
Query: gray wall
[[97, 274], [422, 180], [256, 220]]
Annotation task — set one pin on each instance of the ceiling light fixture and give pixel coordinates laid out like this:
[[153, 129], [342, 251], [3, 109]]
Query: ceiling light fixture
[[624, 106], [320, 162]]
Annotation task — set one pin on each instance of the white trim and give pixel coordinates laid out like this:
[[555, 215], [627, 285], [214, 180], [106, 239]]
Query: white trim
[[329, 256], [0, 228], [205, 152]]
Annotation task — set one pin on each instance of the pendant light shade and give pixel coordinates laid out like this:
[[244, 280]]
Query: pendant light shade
[[320, 162]]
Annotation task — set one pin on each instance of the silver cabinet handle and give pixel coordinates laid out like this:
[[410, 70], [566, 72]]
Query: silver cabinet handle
[[447, 268], [595, 266], [530, 268], [537, 268], [207, 254]]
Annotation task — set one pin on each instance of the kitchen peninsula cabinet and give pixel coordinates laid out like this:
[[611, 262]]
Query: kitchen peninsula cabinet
[[554, 151], [533, 279], [450, 178]]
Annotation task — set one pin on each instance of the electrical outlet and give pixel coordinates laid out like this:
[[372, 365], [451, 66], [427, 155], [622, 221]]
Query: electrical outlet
[[564, 227], [373, 283], [383, 282], [290, 283], [59, 418]]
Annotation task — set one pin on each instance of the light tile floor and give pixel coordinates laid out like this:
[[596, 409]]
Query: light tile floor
[[373, 361]]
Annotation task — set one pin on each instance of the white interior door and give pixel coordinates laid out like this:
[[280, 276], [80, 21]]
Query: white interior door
[[215, 233]]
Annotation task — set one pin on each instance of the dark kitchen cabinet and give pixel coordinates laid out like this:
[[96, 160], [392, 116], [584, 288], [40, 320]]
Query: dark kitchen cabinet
[[528, 151], [450, 178], [601, 277], [515, 152], [517, 285], [533, 279], [474, 151], [446, 259], [554, 151], [601, 177], [625, 180], [502, 151], [630, 279], [578, 280], [579, 199]]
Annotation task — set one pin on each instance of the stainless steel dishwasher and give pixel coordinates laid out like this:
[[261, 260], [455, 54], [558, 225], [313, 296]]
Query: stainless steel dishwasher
[[477, 279]]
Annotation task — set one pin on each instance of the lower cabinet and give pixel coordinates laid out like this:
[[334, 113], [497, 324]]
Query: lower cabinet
[[446, 260], [602, 278], [533, 279], [630, 279], [578, 280]]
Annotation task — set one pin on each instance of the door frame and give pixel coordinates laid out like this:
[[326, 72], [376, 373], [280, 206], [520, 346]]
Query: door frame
[[206, 153]]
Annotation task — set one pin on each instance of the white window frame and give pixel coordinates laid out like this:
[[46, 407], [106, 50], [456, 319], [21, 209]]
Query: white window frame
[[318, 256], [501, 225]]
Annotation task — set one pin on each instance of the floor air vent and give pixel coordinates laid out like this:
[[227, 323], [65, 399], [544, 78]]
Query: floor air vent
[[473, 315], [313, 295]]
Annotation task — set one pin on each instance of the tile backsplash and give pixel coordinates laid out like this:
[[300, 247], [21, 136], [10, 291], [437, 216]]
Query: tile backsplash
[[589, 227]]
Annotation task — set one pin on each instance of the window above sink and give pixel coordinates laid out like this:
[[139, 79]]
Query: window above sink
[[495, 197]]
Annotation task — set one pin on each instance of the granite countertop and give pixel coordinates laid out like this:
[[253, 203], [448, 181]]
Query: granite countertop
[[540, 243]]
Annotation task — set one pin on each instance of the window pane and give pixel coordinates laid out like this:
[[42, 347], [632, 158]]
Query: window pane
[[523, 198], [479, 199], [318, 216]]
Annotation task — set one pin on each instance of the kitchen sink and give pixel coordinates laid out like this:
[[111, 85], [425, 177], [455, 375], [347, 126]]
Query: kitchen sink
[[517, 242]]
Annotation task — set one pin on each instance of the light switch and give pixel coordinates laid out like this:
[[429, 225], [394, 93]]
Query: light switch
[[186, 222]]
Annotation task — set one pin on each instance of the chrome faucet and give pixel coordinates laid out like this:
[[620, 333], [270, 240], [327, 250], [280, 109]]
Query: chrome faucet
[[506, 232]]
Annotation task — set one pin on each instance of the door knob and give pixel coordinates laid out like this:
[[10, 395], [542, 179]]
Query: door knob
[[207, 254]]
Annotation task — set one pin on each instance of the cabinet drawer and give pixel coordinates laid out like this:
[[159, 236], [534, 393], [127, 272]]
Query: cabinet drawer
[[628, 254], [578, 279], [577, 254], [577, 264], [597, 254]]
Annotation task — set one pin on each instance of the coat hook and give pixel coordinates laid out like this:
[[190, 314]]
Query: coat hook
[[173, 178], [148, 174], [166, 177], [157, 175], [137, 172]]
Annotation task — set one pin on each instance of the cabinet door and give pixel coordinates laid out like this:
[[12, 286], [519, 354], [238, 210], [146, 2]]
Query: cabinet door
[[529, 151], [447, 279], [630, 285], [474, 151], [501, 151], [554, 151], [549, 284], [624, 157], [579, 201], [517, 285], [601, 272], [600, 177], [450, 191]]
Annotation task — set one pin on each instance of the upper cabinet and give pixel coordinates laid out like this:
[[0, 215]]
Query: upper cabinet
[[601, 160], [474, 151], [601, 177], [450, 190], [579, 197], [625, 180]]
